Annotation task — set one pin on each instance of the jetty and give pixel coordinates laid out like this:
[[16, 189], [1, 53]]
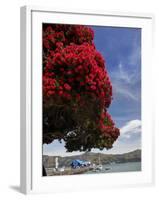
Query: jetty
[[68, 171]]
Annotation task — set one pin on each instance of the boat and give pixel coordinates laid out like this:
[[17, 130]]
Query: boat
[[99, 167], [62, 169]]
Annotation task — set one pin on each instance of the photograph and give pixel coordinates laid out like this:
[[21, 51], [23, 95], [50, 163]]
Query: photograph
[[91, 99]]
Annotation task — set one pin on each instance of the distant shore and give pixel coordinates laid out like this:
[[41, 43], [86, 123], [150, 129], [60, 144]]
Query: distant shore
[[134, 156]]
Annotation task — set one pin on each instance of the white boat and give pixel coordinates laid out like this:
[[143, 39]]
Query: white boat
[[62, 169], [99, 167]]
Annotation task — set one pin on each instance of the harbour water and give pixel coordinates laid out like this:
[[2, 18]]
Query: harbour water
[[118, 167]]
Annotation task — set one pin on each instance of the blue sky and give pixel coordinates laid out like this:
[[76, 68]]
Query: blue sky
[[121, 49]]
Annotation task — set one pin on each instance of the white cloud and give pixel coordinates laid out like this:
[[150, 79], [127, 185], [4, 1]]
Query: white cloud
[[123, 81], [135, 56], [123, 91], [127, 74], [129, 140], [123, 74], [131, 129]]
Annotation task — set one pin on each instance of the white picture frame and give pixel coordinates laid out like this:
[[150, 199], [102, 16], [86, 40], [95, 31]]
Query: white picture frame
[[31, 100]]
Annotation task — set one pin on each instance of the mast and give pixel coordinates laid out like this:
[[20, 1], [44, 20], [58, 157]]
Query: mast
[[56, 163]]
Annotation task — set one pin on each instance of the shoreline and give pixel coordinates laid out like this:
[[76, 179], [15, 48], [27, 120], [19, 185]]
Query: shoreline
[[107, 168]]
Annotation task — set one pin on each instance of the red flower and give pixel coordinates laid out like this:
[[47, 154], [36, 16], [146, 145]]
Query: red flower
[[60, 92], [67, 86], [72, 63], [92, 87], [81, 83]]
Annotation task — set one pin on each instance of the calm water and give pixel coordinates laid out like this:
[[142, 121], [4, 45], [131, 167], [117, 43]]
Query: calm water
[[119, 167]]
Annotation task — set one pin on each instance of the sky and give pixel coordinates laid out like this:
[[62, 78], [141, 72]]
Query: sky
[[121, 49]]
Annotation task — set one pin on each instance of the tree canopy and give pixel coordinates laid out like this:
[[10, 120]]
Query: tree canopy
[[77, 90]]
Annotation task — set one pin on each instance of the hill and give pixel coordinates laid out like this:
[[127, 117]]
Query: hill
[[134, 156]]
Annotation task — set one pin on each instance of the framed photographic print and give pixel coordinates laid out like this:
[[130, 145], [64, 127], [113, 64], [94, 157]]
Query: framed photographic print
[[86, 100]]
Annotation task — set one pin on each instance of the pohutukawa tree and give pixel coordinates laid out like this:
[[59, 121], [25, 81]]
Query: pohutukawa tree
[[77, 90]]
